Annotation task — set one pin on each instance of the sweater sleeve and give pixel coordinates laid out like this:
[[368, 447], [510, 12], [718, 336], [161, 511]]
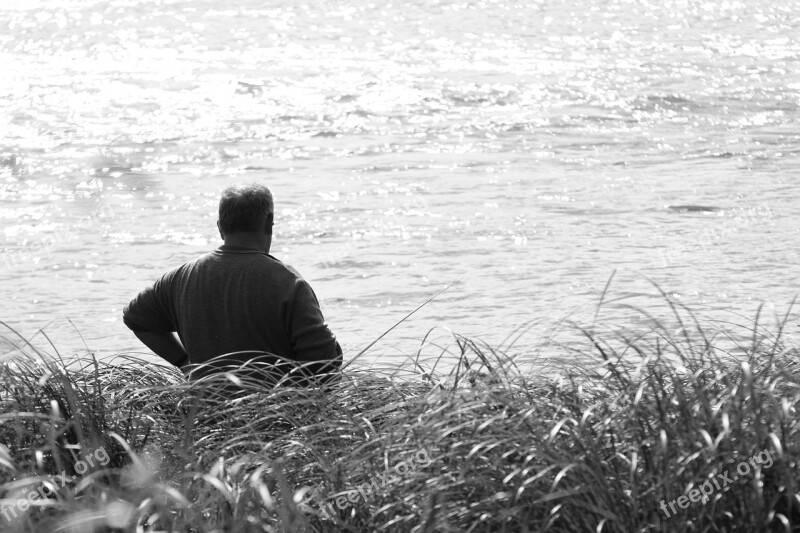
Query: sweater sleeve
[[310, 336], [149, 311]]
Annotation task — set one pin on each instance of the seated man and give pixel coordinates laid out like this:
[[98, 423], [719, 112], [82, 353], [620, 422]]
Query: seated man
[[238, 302]]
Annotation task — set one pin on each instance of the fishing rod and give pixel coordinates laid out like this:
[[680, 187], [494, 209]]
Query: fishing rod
[[382, 335]]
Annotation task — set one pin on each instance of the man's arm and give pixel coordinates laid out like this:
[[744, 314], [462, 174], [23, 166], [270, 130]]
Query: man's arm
[[148, 317], [164, 345], [313, 344]]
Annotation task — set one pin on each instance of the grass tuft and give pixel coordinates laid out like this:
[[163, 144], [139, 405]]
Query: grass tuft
[[470, 439]]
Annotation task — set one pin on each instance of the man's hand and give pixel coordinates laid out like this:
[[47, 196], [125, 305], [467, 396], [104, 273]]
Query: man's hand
[[165, 345]]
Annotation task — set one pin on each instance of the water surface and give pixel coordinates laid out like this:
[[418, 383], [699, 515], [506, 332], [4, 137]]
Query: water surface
[[526, 149]]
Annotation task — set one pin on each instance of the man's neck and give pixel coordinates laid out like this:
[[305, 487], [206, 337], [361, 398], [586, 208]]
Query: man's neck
[[260, 241]]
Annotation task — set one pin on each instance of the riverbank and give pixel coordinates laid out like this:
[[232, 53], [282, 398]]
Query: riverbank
[[657, 431]]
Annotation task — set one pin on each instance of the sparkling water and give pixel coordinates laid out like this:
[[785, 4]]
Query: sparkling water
[[526, 150]]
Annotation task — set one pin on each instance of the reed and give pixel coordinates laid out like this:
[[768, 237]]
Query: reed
[[486, 443]]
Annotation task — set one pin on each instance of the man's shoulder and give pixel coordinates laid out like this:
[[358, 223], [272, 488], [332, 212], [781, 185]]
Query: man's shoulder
[[265, 262], [193, 263], [280, 265], [187, 267], [218, 264]]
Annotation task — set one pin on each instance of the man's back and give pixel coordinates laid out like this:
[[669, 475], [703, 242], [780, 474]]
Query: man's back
[[236, 299]]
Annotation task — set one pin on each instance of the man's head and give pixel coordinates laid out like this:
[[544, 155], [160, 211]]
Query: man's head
[[246, 210]]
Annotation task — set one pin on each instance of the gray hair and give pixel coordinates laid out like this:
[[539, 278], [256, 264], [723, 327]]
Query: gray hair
[[245, 208]]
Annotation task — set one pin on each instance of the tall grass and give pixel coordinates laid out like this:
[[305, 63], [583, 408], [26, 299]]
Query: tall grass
[[646, 416]]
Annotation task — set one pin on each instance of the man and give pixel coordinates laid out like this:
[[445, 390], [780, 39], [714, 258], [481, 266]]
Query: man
[[237, 300]]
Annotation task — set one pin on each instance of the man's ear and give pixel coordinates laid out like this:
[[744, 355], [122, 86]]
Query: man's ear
[[220, 231], [270, 222]]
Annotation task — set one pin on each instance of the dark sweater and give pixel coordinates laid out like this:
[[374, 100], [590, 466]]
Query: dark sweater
[[237, 299]]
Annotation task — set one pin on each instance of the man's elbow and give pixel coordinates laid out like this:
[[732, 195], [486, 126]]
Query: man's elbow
[[311, 351], [128, 318], [320, 364], [330, 362]]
